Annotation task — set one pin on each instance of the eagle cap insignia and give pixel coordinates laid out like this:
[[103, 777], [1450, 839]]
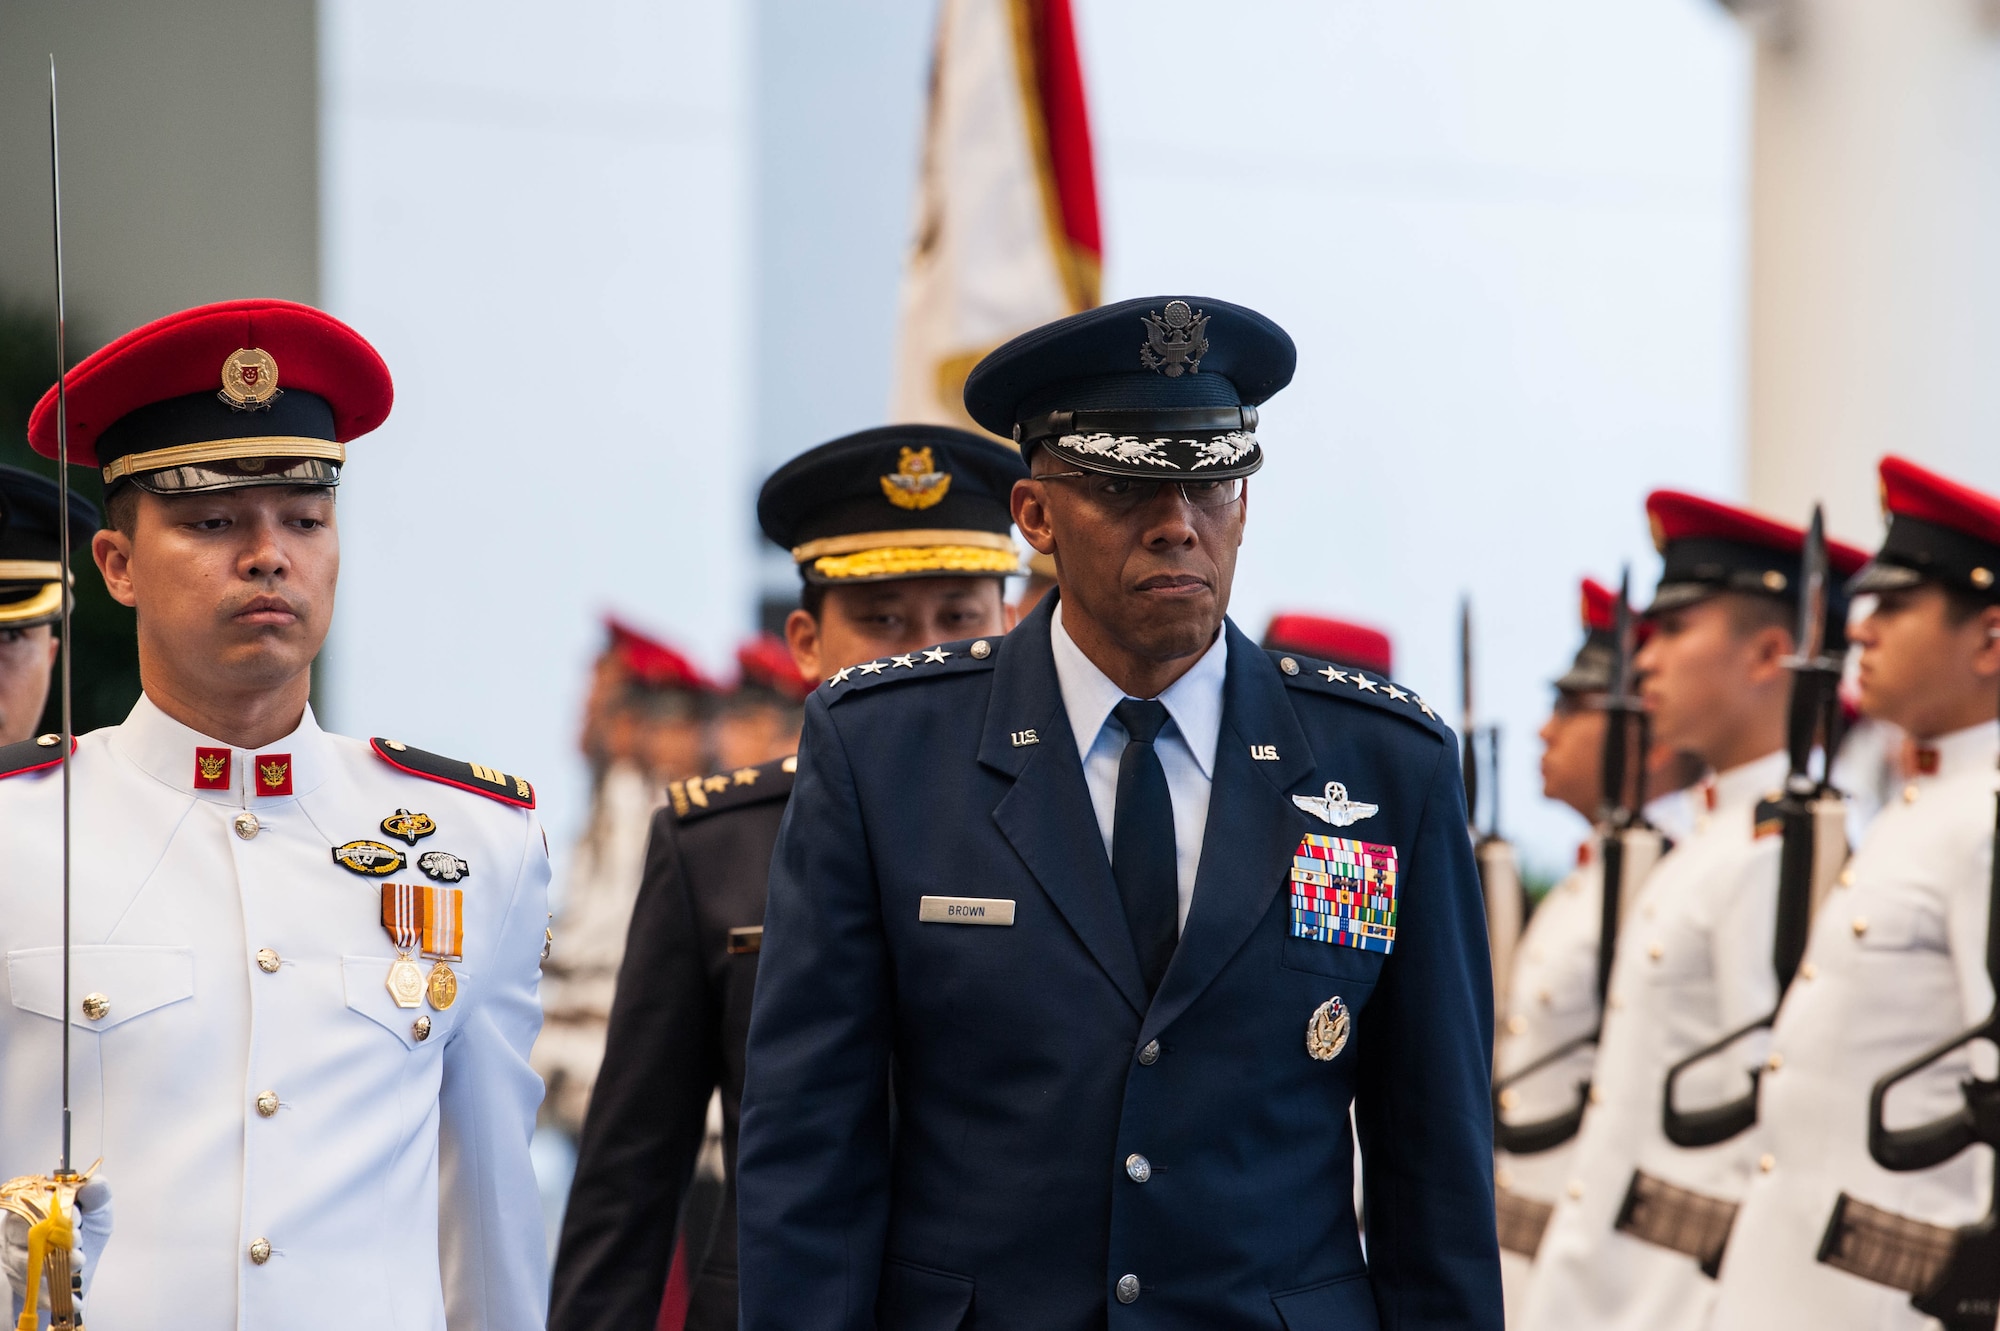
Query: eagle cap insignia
[[1176, 340], [916, 482], [1326, 1032], [249, 380]]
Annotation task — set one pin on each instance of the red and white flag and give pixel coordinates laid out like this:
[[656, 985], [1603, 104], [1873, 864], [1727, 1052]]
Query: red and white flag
[[1006, 229]]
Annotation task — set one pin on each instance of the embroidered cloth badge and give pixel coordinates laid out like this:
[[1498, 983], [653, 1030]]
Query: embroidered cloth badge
[[1344, 892]]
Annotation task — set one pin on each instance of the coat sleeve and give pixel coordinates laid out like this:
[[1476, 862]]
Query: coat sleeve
[[648, 1112], [1422, 1105], [492, 1245], [813, 1163]]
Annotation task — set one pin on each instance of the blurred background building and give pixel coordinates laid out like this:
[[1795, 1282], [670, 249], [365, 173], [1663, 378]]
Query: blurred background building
[[625, 257]]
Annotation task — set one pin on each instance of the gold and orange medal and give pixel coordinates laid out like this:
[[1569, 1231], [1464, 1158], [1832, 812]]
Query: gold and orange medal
[[427, 918]]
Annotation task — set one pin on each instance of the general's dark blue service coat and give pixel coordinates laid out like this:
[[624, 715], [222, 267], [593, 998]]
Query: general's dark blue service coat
[[940, 1119]]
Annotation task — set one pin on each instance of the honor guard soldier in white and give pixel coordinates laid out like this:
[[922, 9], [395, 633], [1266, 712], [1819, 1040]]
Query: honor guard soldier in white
[[32, 571], [305, 966], [1693, 961], [1896, 962], [1082, 943]]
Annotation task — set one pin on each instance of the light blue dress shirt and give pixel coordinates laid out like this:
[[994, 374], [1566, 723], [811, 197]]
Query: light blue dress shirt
[[1186, 744]]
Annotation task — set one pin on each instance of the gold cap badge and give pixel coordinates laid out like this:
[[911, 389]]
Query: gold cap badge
[[249, 380], [917, 482]]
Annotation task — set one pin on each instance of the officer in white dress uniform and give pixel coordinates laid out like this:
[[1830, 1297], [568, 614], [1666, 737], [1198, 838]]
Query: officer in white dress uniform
[[305, 966], [1897, 958], [1694, 962], [1551, 999]]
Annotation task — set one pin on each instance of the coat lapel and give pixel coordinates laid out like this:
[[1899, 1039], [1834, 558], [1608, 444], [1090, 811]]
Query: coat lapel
[[1047, 817], [1252, 829]]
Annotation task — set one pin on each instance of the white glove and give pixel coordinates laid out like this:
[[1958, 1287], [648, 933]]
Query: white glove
[[92, 1224]]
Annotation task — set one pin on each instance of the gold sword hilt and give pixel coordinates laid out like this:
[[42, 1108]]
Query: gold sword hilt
[[48, 1203]]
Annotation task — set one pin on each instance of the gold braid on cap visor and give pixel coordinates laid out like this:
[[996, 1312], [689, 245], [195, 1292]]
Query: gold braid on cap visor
[[44, 604], [902, 560], [225, 450]]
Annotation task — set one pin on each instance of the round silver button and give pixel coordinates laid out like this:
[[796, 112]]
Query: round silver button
[[1138, 1168], [1288, 665], [267, 961], [981, 650], [1128, 1289], [48, 741], [247, 825], [1150, 1054]]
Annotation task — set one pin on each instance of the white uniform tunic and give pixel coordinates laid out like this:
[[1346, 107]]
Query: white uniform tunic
[[1896, 964], [1551, 1000], [1693, 963], [391, 1179]]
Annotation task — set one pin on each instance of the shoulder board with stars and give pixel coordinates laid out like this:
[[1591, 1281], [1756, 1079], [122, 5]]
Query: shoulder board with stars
[[1351, 685], [32, 755], [487, 781], [699, 796], [951, 658]]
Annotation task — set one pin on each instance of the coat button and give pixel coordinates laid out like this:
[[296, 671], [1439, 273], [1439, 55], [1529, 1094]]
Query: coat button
[[1138, 1168], [1767, 1162], [1575, 1189], [247, 825], [1860, 925], [260, 1251], [421, 1028], [1128, 1289], [1656, 951], [267, 961], [267, 1103], [1775, 1061], [1517, 1025], [1509, 1098], [1288, 665], [1150, 1054], [1910, 793], [980, 651], [95, 1006], [1807, 970]]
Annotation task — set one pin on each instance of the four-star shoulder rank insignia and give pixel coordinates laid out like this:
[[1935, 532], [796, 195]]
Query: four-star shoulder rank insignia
[[478, 779]]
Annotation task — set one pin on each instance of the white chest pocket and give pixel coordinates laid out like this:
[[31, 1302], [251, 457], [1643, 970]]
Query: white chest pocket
[[109, 984], [419, 1027], [1892, 919]]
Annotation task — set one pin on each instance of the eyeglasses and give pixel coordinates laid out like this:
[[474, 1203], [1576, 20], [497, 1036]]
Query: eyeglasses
[[1124, 494]]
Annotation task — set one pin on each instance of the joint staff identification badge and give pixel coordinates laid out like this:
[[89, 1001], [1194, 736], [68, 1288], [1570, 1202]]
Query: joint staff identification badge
[[1344, 892]]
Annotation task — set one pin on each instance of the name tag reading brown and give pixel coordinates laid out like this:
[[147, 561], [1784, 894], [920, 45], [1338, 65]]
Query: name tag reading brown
[[965, 910]]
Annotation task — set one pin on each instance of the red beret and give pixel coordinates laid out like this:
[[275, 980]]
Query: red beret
[[1938, 530], [1332, 640], [651, 663], [765, 662], [177, 364]]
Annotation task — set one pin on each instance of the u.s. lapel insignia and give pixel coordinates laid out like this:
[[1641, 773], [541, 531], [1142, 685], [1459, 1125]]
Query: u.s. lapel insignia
[[407, 826], [370, 859], [917, 483], [1176, 340], [443, 866], [1334, 807], [1326, 1033]]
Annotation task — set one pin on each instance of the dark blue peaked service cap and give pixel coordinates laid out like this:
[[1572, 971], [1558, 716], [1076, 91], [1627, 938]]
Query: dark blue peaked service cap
[[1155, 387], [31, 559]]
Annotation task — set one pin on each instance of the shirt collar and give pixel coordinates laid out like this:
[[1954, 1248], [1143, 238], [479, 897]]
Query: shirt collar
[[189, 761], [1743, 785], [1194, 701], [1960, 751]]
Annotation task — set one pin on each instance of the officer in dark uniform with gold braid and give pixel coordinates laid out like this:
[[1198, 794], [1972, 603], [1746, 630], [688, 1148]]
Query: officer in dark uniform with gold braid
[[902, 537]]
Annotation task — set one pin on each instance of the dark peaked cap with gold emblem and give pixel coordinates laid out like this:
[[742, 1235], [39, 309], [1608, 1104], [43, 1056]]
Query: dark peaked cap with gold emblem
[[1161, 387], [1939, 531], [246, 392], [31, 560], [899, 501]]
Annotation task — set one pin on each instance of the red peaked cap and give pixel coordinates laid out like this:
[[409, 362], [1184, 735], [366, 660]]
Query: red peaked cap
[[1333, 640], [182, 355], [1939, 530], [765, 662], [651, 663], [1710, 547]]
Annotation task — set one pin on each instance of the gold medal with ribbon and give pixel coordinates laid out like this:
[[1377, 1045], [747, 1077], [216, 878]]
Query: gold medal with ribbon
[[427, 918], [444, 938]]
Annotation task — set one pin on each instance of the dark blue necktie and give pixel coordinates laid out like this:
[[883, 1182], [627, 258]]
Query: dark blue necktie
[[1142, 842]]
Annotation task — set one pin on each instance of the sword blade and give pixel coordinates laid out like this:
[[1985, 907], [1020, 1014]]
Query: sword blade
[[63, 539]]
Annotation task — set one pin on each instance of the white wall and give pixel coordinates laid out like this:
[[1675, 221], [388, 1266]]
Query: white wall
[[1508, 239], [538, 213]]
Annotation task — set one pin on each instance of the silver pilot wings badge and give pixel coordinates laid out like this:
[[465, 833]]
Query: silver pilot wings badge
[[1334, 807]]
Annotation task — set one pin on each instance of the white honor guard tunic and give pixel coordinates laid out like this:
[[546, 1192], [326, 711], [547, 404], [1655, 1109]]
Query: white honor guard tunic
[[1896, 964], [288, 1146], [1692, 964], [1551, 1000]]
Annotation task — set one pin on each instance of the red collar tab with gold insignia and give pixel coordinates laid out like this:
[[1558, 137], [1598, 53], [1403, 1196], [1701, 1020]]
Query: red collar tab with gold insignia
[[1939, 531], [192, 402]]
